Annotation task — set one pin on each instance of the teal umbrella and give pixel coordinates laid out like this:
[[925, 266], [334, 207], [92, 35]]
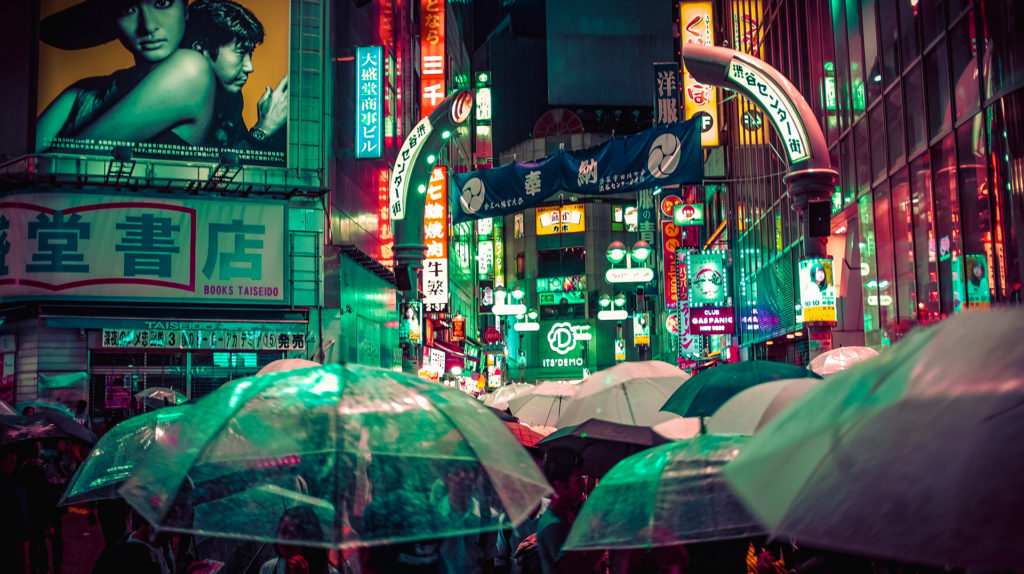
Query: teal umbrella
[[116, 454], [702, 394], [914, 455], [666, 495], [373, 455]]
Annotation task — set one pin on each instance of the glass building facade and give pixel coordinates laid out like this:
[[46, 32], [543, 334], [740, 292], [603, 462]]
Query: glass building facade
[[921, 103]]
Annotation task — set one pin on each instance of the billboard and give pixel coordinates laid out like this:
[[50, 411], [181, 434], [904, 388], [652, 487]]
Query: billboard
[[670, 238], [817, 290], [569, 219], [152, 80], [134, 247], [641, 329], [369, 101], [432, 54], [706, 279], [977, 280], [435, 236]]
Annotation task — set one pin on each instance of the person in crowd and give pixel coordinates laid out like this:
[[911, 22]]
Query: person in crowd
[[82, 415], [143, 549], [464, 506], [399, 514], [299, 523], [15, 525], [28, 411], [59, 466], [32, 475], [562, 469], [226, 33], [167, 96]]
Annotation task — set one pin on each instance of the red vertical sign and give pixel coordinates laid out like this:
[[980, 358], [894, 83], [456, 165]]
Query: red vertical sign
[[432, 55], [387, 238], [671, 239]]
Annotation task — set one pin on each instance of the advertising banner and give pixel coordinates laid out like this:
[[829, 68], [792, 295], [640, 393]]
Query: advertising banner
[[666, 92], [641, 329], [689, 343], [659, 156], [569, 219], [706, 279], [165, 84], [817, 290], [118, 392], [411, 328], [217, 339], [688, 214], [562, 345], [671, 241], [143, 248], [699, 100], [435, 236], [977, 280], [747, 36], [385, 232], [486, 295]]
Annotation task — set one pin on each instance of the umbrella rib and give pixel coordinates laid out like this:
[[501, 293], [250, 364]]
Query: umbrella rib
[[629, 405]]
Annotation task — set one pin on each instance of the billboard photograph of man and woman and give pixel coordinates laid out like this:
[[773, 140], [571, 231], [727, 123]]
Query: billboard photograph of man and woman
[[170, 79]]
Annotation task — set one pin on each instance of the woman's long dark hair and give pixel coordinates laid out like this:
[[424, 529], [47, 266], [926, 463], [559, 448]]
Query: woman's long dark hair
[[307, 526]]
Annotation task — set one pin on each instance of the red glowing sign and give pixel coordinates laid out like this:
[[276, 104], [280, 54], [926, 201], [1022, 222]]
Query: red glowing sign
[[384, 231], [713, 321], [671, 240], [432, 55]]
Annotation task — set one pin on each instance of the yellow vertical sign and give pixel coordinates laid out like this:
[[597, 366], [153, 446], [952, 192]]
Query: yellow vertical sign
[[747, 37], [696, 27]]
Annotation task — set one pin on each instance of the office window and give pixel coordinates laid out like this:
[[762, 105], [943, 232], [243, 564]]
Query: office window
[[894, 124], [884, 253], [877, 119], [917, 130], [964, 70], [925, 250], [903, 250], [974, 198], [936, 76]]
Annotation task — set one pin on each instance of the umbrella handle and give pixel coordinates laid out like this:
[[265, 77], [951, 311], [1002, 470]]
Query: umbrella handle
[[703, 426]]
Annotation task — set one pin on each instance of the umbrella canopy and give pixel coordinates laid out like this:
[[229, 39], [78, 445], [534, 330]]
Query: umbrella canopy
[[40, 403], [752, 408], [666, 495], [706, 391], [913, 455], [157, 397], [6, 409], [115, 455], [366, 456], [601, 444], [286, 365], [838, 359], [543, 405], [527, 436], [629, 393], [499, 398], [505, 416], [44, 424]]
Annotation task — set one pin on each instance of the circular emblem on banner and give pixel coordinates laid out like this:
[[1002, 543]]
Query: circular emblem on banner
[[687, 212], [668, 203], [663, 159], [561, 338], [753, 120], [472, 195]]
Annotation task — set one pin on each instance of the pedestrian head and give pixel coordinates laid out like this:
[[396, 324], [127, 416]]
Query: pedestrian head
[[301, 524], [80, 407], [562, 469], [226, 33], [28, 411]]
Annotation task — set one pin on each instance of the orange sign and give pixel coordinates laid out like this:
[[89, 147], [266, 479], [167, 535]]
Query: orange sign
[[697, 28], [671, 237], [432, 55]]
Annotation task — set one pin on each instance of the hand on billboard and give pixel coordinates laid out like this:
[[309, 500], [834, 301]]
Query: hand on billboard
[[273, 107]]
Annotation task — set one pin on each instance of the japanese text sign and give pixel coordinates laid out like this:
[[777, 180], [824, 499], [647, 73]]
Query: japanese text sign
[[697, 28], [773, 100], [671, 237], [568, 219], [713, 321], [104, 246], [688, 214], [432, 55], [369, 101], [666, 92], [707, 279], [435, 236]]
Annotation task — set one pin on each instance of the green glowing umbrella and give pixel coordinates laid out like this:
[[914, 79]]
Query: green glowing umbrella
[[666, 495], [701, 395], [115, 455], [343, 443], [914, 455]]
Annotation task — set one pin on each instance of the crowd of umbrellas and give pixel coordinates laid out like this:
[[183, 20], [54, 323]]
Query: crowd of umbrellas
[[913, 454]]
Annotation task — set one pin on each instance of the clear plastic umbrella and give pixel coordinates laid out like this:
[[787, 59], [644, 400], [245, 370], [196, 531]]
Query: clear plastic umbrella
[[751, 409], [6, 409], [41, 403], [914, 455], [112, 459], [841, 358], [630, 393], [157, 397], [499, 398], [363, 456], [542, 405], [664, 496], [286, 365]]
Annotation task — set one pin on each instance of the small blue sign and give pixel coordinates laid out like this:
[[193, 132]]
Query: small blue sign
[[369, 102]]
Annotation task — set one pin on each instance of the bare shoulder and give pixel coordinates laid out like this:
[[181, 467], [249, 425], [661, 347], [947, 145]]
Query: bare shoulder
[[186, 63]]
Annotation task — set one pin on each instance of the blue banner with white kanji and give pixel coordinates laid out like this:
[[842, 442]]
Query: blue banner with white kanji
[[663, 155]]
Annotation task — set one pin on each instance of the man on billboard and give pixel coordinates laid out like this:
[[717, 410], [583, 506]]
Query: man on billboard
[[227, 33], [167, 96]]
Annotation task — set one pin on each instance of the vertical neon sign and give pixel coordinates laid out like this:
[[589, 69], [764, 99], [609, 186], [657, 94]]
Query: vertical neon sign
[[369, 101], [432, 55]]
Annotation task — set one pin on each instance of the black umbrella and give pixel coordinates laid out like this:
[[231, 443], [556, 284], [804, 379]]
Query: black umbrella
[[46, 424], [504, 415], [601, 444]]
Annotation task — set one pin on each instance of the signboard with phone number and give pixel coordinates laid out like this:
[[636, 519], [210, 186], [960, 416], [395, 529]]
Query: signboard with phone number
[[203, 339]]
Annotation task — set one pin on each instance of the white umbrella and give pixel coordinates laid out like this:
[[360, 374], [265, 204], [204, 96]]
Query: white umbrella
[[629, 393], [543, 404], [838, 359], [286, 365], [749, 410], [499, 399]]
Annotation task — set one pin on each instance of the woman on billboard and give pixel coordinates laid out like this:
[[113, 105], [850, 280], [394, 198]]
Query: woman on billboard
[[167, 96]]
